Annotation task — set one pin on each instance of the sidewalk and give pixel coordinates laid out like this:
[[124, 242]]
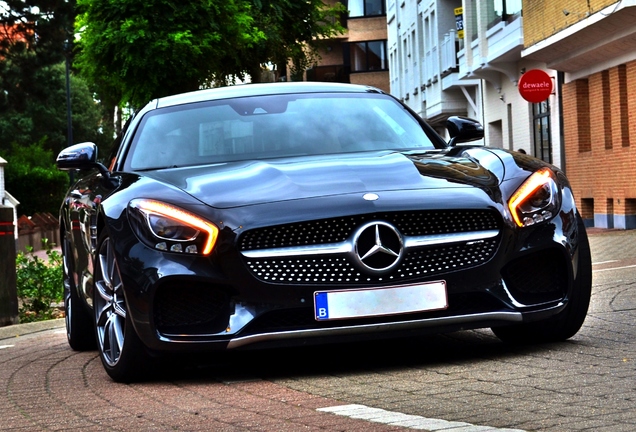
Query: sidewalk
[[18, 330]]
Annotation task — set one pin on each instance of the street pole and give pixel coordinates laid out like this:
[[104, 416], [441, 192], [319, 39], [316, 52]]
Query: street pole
[[69, 117], [8, 287]]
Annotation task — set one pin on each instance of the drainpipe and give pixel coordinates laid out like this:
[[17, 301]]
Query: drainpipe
[[560, 79]]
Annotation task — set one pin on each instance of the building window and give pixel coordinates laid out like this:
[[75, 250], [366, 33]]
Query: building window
[[365, 8], [542, 135], [587, 211], [368, 56], [503, 10], [334, 73]]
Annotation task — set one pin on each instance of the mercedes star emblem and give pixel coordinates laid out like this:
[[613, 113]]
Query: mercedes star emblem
[[378, 247]]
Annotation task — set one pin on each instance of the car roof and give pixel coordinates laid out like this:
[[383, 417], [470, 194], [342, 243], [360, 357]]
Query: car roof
[[244, 90]]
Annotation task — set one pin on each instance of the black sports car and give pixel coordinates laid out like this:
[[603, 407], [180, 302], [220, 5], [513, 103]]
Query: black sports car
[[295, 213]]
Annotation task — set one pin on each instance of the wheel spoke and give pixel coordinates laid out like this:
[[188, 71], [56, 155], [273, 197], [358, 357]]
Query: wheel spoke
[[113, 271], [67, 315], [111, 344], [120, 310], [104, 267], [104, 292], [102, 314], [118, 332]]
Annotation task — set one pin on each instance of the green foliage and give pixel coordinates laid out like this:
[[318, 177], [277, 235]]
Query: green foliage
[[32, 178], [40, 283], [138, 50], [39, 26], [35, 110], [294, 30], [33, 48], [145, 49]]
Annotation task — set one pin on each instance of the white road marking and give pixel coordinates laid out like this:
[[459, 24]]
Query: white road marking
[[604, 262], [615, 268], [6, 346], [378, 415]]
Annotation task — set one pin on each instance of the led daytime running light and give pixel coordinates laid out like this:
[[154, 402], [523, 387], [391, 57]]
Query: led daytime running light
[[529, 187], [185, 217]]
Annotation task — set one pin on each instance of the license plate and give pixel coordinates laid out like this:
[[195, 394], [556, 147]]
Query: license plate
[[369, 302]]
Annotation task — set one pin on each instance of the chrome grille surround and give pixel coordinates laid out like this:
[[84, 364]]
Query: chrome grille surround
[[435, 242]]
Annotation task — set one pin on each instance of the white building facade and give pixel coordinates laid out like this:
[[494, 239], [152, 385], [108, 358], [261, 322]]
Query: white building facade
[[463, 57], [7, 200], [423, 61]]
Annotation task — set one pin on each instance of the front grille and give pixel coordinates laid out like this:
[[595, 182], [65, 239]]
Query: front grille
[[190, 308], [330, 269], [339, 229]]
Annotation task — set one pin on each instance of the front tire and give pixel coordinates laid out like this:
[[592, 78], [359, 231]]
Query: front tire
[[568, 322], [79, 324], [121, 351]]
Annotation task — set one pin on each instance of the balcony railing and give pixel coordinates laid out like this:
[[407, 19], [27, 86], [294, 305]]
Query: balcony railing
[[448, 53]]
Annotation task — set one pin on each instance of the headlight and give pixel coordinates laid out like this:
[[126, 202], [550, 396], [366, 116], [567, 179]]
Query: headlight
[[536, 200], [169, 228]]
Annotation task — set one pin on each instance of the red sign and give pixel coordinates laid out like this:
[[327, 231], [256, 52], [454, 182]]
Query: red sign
[[535, 86]]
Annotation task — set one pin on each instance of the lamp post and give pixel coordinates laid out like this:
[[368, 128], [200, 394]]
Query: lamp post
[[69, 117], [69, 120]]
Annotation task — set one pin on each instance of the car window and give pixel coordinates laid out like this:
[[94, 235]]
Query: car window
[[273, 126]]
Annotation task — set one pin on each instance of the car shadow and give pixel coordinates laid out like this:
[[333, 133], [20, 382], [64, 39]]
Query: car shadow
[[342, 359]]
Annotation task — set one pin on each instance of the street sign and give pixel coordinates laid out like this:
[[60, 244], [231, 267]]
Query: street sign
[[535, 85], [459, 22]]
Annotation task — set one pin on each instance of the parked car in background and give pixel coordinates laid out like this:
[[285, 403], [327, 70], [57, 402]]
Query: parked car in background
[[280, 214]]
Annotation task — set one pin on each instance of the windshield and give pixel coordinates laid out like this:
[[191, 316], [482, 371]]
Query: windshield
[[273, 126]]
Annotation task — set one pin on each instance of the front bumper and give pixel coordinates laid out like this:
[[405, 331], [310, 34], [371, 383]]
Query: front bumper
[[227, 301]]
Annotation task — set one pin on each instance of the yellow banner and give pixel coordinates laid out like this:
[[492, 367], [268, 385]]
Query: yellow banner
[[459, 22]]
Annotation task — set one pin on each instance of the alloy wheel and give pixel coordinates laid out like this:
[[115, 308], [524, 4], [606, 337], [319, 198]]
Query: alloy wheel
[[110, 306]]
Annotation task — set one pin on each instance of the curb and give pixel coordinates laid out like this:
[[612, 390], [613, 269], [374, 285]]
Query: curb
[[18, 330]]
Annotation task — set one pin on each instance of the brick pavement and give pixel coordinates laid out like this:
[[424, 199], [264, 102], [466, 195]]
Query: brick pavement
[[47, 386], [586, 383]]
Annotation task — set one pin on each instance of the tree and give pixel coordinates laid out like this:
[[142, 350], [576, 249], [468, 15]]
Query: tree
[[33, 119], [33, 179], [149, 48], [32, 36], [32, 136], [39, 116], [294, 30], [40, 26], [143, 49], [33, 41]]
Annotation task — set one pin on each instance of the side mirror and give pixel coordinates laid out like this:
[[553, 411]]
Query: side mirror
[[79, 156], [83, 156], [463, 129]]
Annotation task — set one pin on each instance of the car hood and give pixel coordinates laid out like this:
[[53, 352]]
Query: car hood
[[251, 182]]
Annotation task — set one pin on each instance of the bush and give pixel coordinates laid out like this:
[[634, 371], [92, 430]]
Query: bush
[[39, 283], [33, 179]]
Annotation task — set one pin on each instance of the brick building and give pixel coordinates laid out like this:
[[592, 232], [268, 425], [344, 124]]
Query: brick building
[[592, 43], [359, 56]]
